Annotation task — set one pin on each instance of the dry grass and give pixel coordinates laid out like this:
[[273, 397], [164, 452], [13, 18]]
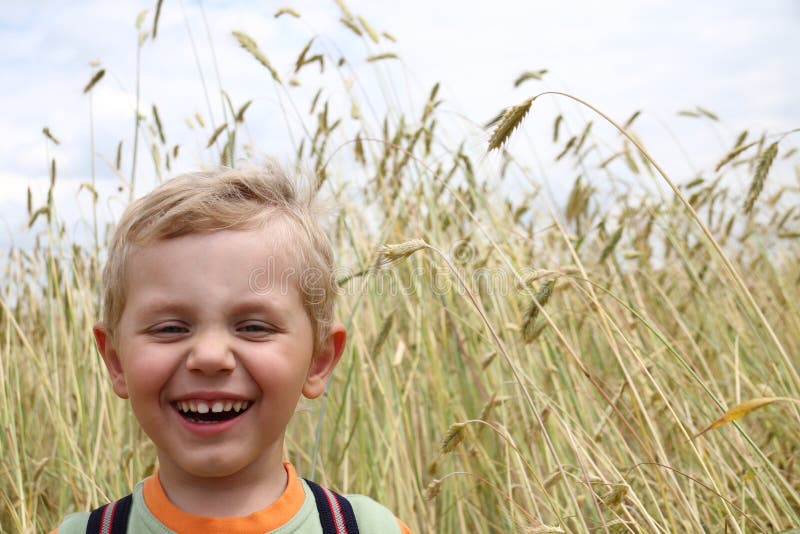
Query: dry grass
[[513, 365]]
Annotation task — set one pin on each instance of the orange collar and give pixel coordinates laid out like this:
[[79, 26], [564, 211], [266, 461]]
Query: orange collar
[[264, 520]]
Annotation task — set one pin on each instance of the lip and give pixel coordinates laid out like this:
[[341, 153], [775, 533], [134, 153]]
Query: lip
[[210, 396]]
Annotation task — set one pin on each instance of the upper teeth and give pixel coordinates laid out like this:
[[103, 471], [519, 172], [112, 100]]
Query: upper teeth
[[201, 406]]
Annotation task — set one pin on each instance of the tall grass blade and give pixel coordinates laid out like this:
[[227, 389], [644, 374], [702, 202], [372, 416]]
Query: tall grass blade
[[742, 409]]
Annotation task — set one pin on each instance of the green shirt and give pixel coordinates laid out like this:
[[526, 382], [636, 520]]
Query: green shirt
[[372, 517]]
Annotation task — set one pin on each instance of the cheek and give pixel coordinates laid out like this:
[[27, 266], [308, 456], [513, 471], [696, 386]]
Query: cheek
[[146, 371], [280, 379]]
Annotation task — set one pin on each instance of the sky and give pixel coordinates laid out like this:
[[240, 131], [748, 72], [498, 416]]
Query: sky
[[736, 58]]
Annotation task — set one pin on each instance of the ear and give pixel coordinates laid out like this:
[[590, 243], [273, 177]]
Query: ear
[[105, 344], [324, 361]]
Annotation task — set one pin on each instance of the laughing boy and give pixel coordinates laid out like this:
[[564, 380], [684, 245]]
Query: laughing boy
[[218, 304]]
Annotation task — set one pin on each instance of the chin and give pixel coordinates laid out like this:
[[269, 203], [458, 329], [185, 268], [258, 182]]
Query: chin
[[213, 466]]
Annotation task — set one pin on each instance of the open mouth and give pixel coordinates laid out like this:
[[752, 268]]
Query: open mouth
[[200, 411]]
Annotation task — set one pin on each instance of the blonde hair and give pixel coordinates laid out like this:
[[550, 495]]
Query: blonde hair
[[230, 199]]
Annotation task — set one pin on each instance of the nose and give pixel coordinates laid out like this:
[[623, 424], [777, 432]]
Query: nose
[[211, 354]]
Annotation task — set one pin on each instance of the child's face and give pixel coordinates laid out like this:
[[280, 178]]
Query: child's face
[[202, 332]]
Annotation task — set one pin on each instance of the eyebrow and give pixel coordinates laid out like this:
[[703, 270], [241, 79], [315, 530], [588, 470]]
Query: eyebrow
[[162, 306], [256, 305]]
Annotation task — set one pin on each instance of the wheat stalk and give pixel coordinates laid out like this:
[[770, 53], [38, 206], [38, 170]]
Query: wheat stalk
[[511, 119], [537, 303], [390, 253], [735, 151], [216, 134], [249, 44], [454, 436], [48, 134], [762, 169], [287, 11], [379, 57], [351, 26], [529, 75], [157, 18], [93, 81]]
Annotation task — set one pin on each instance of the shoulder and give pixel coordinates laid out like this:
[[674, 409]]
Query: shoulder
[[73, 524], [76, 523], [370, 516], [373, 517]]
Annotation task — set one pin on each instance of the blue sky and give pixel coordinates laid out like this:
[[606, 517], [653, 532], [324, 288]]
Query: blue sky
[[736, 58]]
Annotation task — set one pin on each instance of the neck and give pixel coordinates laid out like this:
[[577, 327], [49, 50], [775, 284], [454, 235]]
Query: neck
[[236, 495]]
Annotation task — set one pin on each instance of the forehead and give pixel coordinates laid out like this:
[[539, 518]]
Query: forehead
[[235, 259]]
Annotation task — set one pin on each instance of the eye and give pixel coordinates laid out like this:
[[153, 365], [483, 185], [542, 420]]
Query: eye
[[256, 328], [169, 329]]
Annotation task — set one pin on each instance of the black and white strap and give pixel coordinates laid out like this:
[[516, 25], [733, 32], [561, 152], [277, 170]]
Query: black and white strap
[[111, 518], [335, 512]]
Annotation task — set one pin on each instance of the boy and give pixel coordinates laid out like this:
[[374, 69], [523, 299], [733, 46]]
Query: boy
[[218, 301]]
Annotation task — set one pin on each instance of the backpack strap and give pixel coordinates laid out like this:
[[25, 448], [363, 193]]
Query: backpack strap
[[111, 518], [335, 512]]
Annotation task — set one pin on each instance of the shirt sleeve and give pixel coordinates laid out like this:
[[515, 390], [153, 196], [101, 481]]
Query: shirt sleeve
[[73, 524]]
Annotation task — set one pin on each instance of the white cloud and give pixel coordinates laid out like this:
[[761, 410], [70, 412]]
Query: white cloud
[[733, 57]]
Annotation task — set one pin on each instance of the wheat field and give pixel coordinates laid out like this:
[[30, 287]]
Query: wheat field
[[623, 359]]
